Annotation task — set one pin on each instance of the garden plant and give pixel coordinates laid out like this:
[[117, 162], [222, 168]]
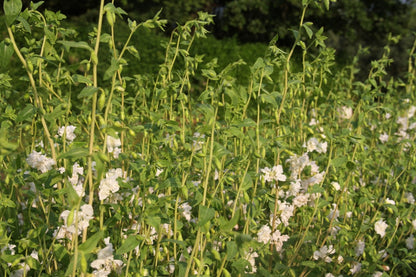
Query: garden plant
[[298, 169]]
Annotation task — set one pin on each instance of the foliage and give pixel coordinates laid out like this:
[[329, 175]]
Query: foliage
[[295, 171]]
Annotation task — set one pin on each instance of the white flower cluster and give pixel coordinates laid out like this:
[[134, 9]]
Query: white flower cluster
[[198, 141], [345, 112], [251, 258], [405, 126], [265, 236], [105, 262], [113, 146], [323, 253], [359, 249], [273, 174], [40, 162], [186, 211], [82, 218], [380, 227], [75, 181], [313, 144], [285, 212], [384, 137], [109, 185], [68, 131], [298, 164]]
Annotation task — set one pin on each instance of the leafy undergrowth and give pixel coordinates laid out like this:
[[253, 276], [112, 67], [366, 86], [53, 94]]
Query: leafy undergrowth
[[289, 173]]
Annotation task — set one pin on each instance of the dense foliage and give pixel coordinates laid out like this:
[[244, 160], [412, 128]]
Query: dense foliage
[[299, 169]]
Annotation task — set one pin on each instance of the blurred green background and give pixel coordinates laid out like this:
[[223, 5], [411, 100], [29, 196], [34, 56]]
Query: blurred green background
[[243, 28]]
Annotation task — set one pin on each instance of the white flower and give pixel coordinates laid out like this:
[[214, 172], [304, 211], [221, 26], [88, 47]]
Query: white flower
[[273, 174], [314, 145], [390, 202], [264, 234], [345, 112], [251, 258], [356, 267], [380, 227], [83, 216], [329, 275], [197, 144], [409, 198], [113, 145], [383, 137], [40, 162], [286, 213], [410, 241], [411, 111], [158, 172], [186, 211], [301, 199], [109, 184], [414, 223], [340, 259], [69, 132], [323, 253], [105, 262], [22, 271], [334, 212], [359, 249], [377, 274], [336, 186], [278, 239], [297, 164]]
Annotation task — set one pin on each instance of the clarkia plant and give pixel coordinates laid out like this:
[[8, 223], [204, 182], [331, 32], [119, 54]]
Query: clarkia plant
[[300, 170]]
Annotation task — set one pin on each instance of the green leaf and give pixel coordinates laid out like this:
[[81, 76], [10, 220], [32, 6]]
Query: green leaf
[[309, 264], [89, 245], [75, 153], [247, 182], [35, 6], [240, 265], [205, 215], [154, 221], [6, 52], [75, 44], [26, 114], [308, 29], [11, 9], [112, 69], [7, 203], [87, 92], [129, 244], [326, 4], [25, 24], [228, 225], [231, 249], [82, 79], [339, 162]]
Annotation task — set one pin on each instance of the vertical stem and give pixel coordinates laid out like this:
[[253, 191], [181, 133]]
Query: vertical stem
[[93, 112]]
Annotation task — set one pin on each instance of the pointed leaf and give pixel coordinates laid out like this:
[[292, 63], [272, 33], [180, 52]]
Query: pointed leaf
[[11, 9]]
